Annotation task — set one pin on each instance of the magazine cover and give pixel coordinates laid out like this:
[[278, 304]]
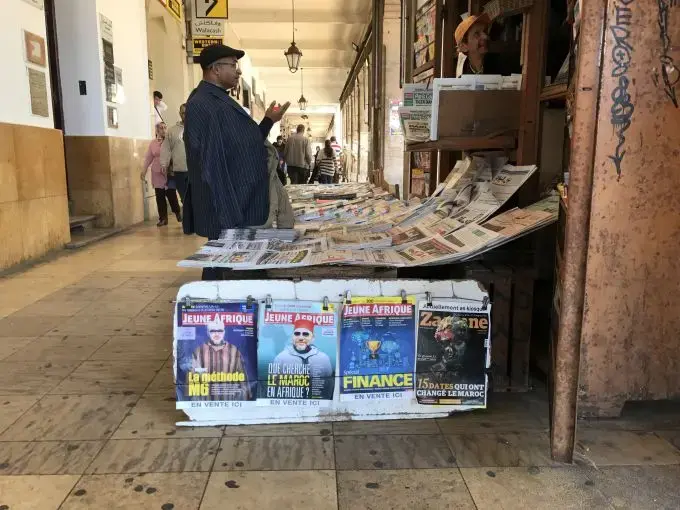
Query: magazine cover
[[216, 354], [451, 360], [297, 353], [377, 348]]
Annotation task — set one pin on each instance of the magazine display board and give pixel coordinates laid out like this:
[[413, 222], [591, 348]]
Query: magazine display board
[[248, 352]]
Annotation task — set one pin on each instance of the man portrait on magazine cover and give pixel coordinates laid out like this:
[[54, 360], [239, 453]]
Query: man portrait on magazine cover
[[217, 356], [301, 351]]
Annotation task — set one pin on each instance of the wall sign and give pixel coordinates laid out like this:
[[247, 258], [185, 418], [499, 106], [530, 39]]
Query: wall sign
[[37, 83], [174, 7], [216, 9], [40, 4], [35, 49], [206, 27], [203, 42], [106, 28], [112, 116]]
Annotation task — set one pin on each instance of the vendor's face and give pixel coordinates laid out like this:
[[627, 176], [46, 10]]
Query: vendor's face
[[302, 338], [216, 335], [227, 72], [477, 40]]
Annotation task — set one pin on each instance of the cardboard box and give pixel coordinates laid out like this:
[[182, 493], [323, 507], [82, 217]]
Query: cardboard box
[[478, 112]]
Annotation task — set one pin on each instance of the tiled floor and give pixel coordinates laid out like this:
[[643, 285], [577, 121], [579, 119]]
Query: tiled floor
[[87, 419]]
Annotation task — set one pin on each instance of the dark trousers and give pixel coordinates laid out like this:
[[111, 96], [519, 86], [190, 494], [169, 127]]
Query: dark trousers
[[182, 180], [297, 174], [161, 195], [282, 175], [224, 273]]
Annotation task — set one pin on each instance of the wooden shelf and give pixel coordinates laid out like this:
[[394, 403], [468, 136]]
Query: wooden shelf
[[558, 91], [425, 67], [463, 144]]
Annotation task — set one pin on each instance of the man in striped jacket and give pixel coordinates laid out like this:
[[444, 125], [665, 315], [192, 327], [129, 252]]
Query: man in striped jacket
[[218, 356], [226, 156]]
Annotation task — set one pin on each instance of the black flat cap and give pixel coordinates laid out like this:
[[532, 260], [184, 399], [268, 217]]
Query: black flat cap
[[217, 51]]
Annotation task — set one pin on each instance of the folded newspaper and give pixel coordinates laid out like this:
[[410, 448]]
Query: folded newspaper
[[458, 222]]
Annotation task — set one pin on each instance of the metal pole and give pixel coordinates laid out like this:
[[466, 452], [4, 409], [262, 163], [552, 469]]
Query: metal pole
[[583, 144]]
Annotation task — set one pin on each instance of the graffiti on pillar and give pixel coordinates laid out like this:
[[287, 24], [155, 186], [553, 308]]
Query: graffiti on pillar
[[669, 75], [622, 105]]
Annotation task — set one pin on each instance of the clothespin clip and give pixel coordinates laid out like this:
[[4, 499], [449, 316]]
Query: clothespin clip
[[404, 299], [268, 301], [250, 302], [348, 297], [325, 303], [485, 302], [428, 298], [187, 302]]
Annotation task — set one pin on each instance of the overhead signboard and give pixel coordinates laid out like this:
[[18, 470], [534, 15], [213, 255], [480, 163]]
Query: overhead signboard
[[216, 9], [206, 27], [204, 42], [174, 7]]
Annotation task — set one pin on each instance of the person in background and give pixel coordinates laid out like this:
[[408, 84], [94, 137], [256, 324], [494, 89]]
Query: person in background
[[298, 156], [158, 107], [226, 155], [315, 172], [173, 155], [336, 146], [159, 178], [280, 147], [339, 157], [328, 164]]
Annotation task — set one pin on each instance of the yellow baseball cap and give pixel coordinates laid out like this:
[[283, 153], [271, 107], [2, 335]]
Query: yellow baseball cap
[[467, 23]]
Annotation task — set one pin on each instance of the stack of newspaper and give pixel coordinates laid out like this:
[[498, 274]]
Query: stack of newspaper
[[457, 223], [252, 234], [419, 115]]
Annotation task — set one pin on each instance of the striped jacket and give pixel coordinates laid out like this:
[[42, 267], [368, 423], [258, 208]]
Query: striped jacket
[[226, 162], [226, 359], [328, 166]]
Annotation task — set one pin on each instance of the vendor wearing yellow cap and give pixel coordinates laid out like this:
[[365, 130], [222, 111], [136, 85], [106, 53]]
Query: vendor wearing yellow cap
[[472, 40]]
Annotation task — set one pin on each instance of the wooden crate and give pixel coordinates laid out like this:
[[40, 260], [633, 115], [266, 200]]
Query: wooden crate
[[511, 294]]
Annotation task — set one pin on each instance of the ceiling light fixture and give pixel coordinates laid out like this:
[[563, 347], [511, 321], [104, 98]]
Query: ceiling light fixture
[[293, 53], [302, 102]]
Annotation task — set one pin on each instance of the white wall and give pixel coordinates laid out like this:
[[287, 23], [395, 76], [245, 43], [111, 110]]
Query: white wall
[[15, 99], [81, 58], [78, 39], [171, 73], [130, 54]]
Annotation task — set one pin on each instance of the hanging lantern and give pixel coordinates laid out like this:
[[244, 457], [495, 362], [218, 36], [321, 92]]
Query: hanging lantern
[[302, 102], [293, 53]]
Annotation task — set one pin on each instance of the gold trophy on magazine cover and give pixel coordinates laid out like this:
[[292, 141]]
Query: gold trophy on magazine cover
[[374, 347]]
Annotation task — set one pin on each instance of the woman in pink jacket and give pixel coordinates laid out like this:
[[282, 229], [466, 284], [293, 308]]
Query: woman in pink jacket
[[159, 178]]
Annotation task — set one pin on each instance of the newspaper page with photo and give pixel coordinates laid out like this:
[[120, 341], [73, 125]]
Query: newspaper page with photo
[[216, 354], [415, 122], [453, 344], [429, 250], [377, 348], [470, 238], [509, 180], [296, 353]]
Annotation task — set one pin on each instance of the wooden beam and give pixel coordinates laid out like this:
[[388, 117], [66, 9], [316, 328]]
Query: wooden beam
[[534, 44], [362, 55]]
